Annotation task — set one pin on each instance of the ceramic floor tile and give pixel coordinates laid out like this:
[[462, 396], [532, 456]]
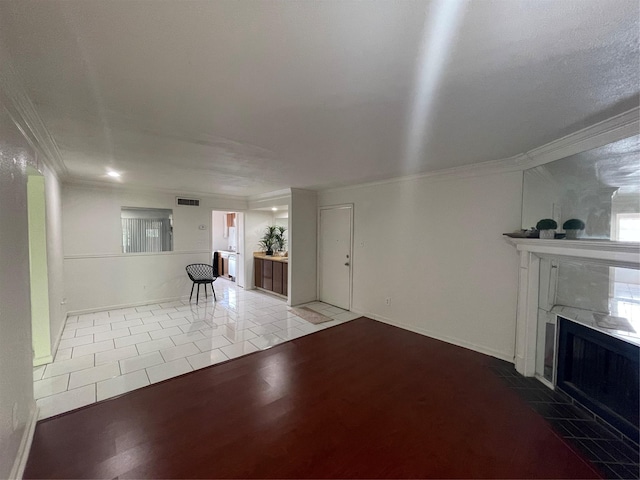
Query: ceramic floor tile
[[140, 362], [266, 341], [290, 333], [155, 319], [187, 337], [163, 311], [179, 351], [66, 401], [50, 386], [195, 326], [63, 354], [149, 327], [133, 316], [236, 336], [206, 359], [174, 322], [212, 343], [92, 348], [75, 342], [38, 372], [111, 334], [264, 329], [148, 308], [108, 320], [122, 384], [66, 335], [169, 370], [116, 354], [68, 366], [265, 319], [132, 339], [126, 324], [93, 375], [288, 323], [154, 345], [80, 324], [181, 314], [346, 316], [81, 332], [165, 332], [121, 311], [239, 349]]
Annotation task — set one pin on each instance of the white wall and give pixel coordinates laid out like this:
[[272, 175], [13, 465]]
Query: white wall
[[16, 379], [55, 254], [99, 276], [303, 237], [435, 247]]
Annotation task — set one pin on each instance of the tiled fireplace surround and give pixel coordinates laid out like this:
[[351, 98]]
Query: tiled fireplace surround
[[615, 455], [532, 283]]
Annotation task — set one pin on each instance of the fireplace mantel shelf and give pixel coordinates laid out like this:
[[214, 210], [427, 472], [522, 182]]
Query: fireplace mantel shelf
[[627, 253]]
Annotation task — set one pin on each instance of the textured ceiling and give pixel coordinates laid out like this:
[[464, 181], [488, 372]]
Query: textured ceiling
[[249, 97]]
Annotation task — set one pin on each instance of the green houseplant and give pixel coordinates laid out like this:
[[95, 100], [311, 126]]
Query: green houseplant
[[547, 228], [280, 241], [268, 240], [573, 227], [273, 239]]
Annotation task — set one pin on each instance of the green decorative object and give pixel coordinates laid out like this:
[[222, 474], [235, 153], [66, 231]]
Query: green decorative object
[[573, 227], [547, 224], [547, 228], [574, 224]]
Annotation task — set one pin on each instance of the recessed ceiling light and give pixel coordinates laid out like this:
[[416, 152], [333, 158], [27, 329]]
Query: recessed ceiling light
[[113, 174], [275, 209]]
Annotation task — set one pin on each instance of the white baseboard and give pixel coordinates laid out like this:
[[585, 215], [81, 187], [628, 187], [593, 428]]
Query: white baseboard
[[17, 471], [454, 341], [54, 347], [124, 305]]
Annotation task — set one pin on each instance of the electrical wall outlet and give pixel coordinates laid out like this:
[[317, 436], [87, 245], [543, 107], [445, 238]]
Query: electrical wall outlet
[[387, 301]]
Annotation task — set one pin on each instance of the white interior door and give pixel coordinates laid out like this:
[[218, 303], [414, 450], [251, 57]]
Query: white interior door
[[334, 263]]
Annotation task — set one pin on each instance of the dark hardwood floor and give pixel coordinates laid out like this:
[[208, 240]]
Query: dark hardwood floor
[[362, 399]]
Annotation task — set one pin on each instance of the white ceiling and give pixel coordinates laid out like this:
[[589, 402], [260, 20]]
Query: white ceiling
[[247, 97]]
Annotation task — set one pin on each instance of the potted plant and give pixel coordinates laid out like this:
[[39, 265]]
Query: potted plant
[[547, 228], [280, 241], [573, 227], [268, 240]]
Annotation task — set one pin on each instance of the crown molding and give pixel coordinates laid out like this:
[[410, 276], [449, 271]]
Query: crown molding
[[610, 130], [26, 118]]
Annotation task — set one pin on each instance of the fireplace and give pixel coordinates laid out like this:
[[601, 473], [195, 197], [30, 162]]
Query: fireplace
[[602, 373]]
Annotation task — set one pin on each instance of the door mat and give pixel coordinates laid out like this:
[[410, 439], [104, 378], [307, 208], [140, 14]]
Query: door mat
[[310, 316]]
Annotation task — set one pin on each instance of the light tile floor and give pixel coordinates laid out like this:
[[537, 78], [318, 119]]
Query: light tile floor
[[109, 353]]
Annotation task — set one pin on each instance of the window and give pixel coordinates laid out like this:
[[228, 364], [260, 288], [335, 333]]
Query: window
[[146, 230]]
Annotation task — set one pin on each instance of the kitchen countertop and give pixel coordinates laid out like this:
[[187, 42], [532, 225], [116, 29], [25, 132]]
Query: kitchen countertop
[[275, 258]]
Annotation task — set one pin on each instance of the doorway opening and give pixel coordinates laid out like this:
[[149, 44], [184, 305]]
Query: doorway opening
[[227, 238], [335, 252]]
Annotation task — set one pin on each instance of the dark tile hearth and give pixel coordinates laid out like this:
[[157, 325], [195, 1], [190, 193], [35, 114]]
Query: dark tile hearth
[[614, 456]]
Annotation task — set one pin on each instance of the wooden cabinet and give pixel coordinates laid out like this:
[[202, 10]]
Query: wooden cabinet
[[267, 274], [277, 277], [257, 262], [271, 275]]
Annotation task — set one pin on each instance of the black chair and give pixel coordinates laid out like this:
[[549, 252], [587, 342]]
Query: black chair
[[202, 274]]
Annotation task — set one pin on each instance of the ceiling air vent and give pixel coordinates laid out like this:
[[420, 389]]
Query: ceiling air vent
[[189, 202]]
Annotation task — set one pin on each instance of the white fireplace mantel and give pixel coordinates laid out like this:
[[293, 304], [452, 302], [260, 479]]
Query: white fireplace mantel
[[604, 252]]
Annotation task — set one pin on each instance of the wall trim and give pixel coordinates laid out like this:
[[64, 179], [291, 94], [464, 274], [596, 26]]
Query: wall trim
[[613, 129], [17, 471], [56, 342], [123, 305], [133, 255], [444, 338]]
